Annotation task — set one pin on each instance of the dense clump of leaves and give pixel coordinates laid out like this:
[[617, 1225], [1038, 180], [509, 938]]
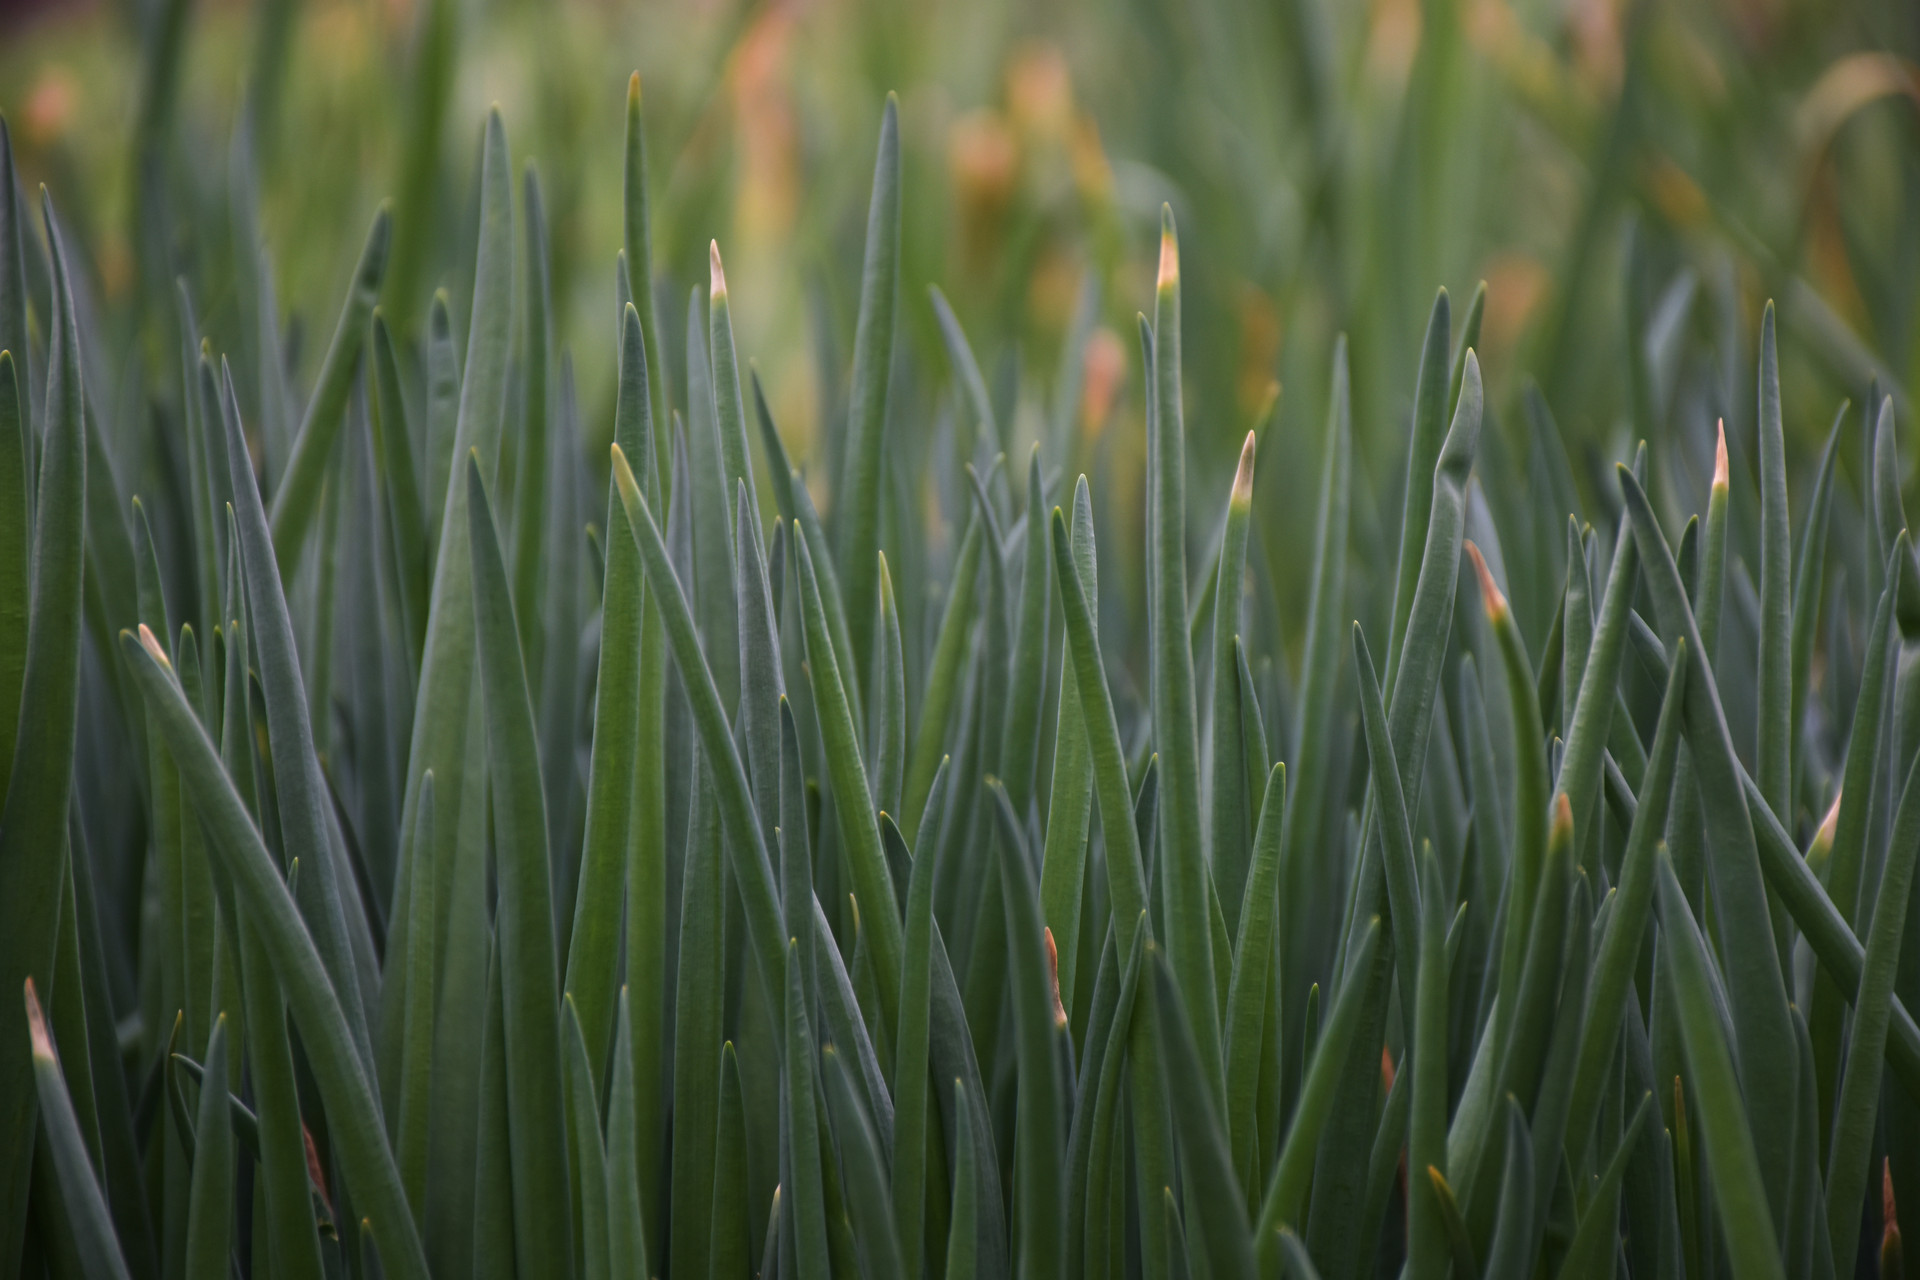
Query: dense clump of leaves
[[522, 860]]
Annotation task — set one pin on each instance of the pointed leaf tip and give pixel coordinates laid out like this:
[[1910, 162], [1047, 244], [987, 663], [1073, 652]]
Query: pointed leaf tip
[[1243, 475], [1562, 828], [1169, 250], [152, 646], [1490, 593], [1053, 976], [633, 89], [1720, 455], [43, 1043], [717, 274]]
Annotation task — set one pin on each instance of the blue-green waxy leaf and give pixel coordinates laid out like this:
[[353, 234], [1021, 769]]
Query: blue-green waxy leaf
[[407, 512], [1287, 1188], [530, 469], [861, 1168], [861, 479], [33, 821], [84, 1202], [1774, 771], [911, 1045], [209, 1222], [962, 1234], [16, 546], [1126, 872], [358, 1132], [1247, 1009], [524, 922], [1184, 855], [1039, 1225], [627, 1244], [589, 1153], [1431, 406], [1738, 1192], [1020, 740], [1216, 1212], [1070, 804], [297, 493], [463, 424], [1427, 1247], [1230, 811], [802, 1145], [637, 236], [697, 1036], [1507, 1256], [1859, 1102], [299, 789], [1403, 884], [859, 825], [728, 1243], [753, 871], [1755, 989], [593, 946]]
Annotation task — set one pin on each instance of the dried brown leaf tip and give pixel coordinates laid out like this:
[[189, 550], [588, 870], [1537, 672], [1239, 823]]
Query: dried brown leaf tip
[[1720, 455], [1243, 475], [716, 274], [1490, 594], [37, 1025], [1562, 821], [1053, 976]]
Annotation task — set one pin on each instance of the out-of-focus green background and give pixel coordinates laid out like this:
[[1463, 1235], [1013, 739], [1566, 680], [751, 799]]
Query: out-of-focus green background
[[1607, 166]]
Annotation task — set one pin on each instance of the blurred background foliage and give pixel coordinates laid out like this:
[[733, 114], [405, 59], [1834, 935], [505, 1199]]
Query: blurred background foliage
[[1631, 179]]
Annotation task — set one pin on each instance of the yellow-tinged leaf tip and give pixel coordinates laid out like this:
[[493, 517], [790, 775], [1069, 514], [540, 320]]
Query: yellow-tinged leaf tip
[[37, 1024], [633, 89], [1490, 594], [717, 274], [1169, 251], [1720, 455], [1562, 824], [1823, 838], [1243, 474], [1053, 975], [153, 648]]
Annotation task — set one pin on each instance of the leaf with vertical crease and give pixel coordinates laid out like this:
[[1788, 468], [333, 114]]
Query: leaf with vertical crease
[[297, 496], [860, 487], [33, 819]]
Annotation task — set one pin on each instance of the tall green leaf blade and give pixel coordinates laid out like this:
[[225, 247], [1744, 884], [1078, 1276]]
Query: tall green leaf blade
[[524, 920], [697, 1038], [1739, 1193], [1287, 1188], [84, 1202], [859, 826], [33, 821], [857, 496], [297, 492], [352, 1108], [887, 734], [441, 730], [407, 514], [16, 542], [1754, 983], [627, 1245], [752, 870], [1402, 874], [1126, 872], [1020, 741], [589, 1153], [802, 1139], [1183, 851], [910, 1047], [210, 1220], [593, 947], [1040, 1223], [1775, 753], [862, 1168], [1070, 802], [299, 790], [530, 472], [728, 1243], [1848, 1165], [1253, 956], [1230, 809], [1215, 1210], [1432, 406], [1427, 1247], [637, 236]]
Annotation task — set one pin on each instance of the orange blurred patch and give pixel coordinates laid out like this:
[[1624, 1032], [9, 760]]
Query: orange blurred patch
[[50, 105], [1260, 335], [1105, 371], [1516, 283], [765, 132]]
